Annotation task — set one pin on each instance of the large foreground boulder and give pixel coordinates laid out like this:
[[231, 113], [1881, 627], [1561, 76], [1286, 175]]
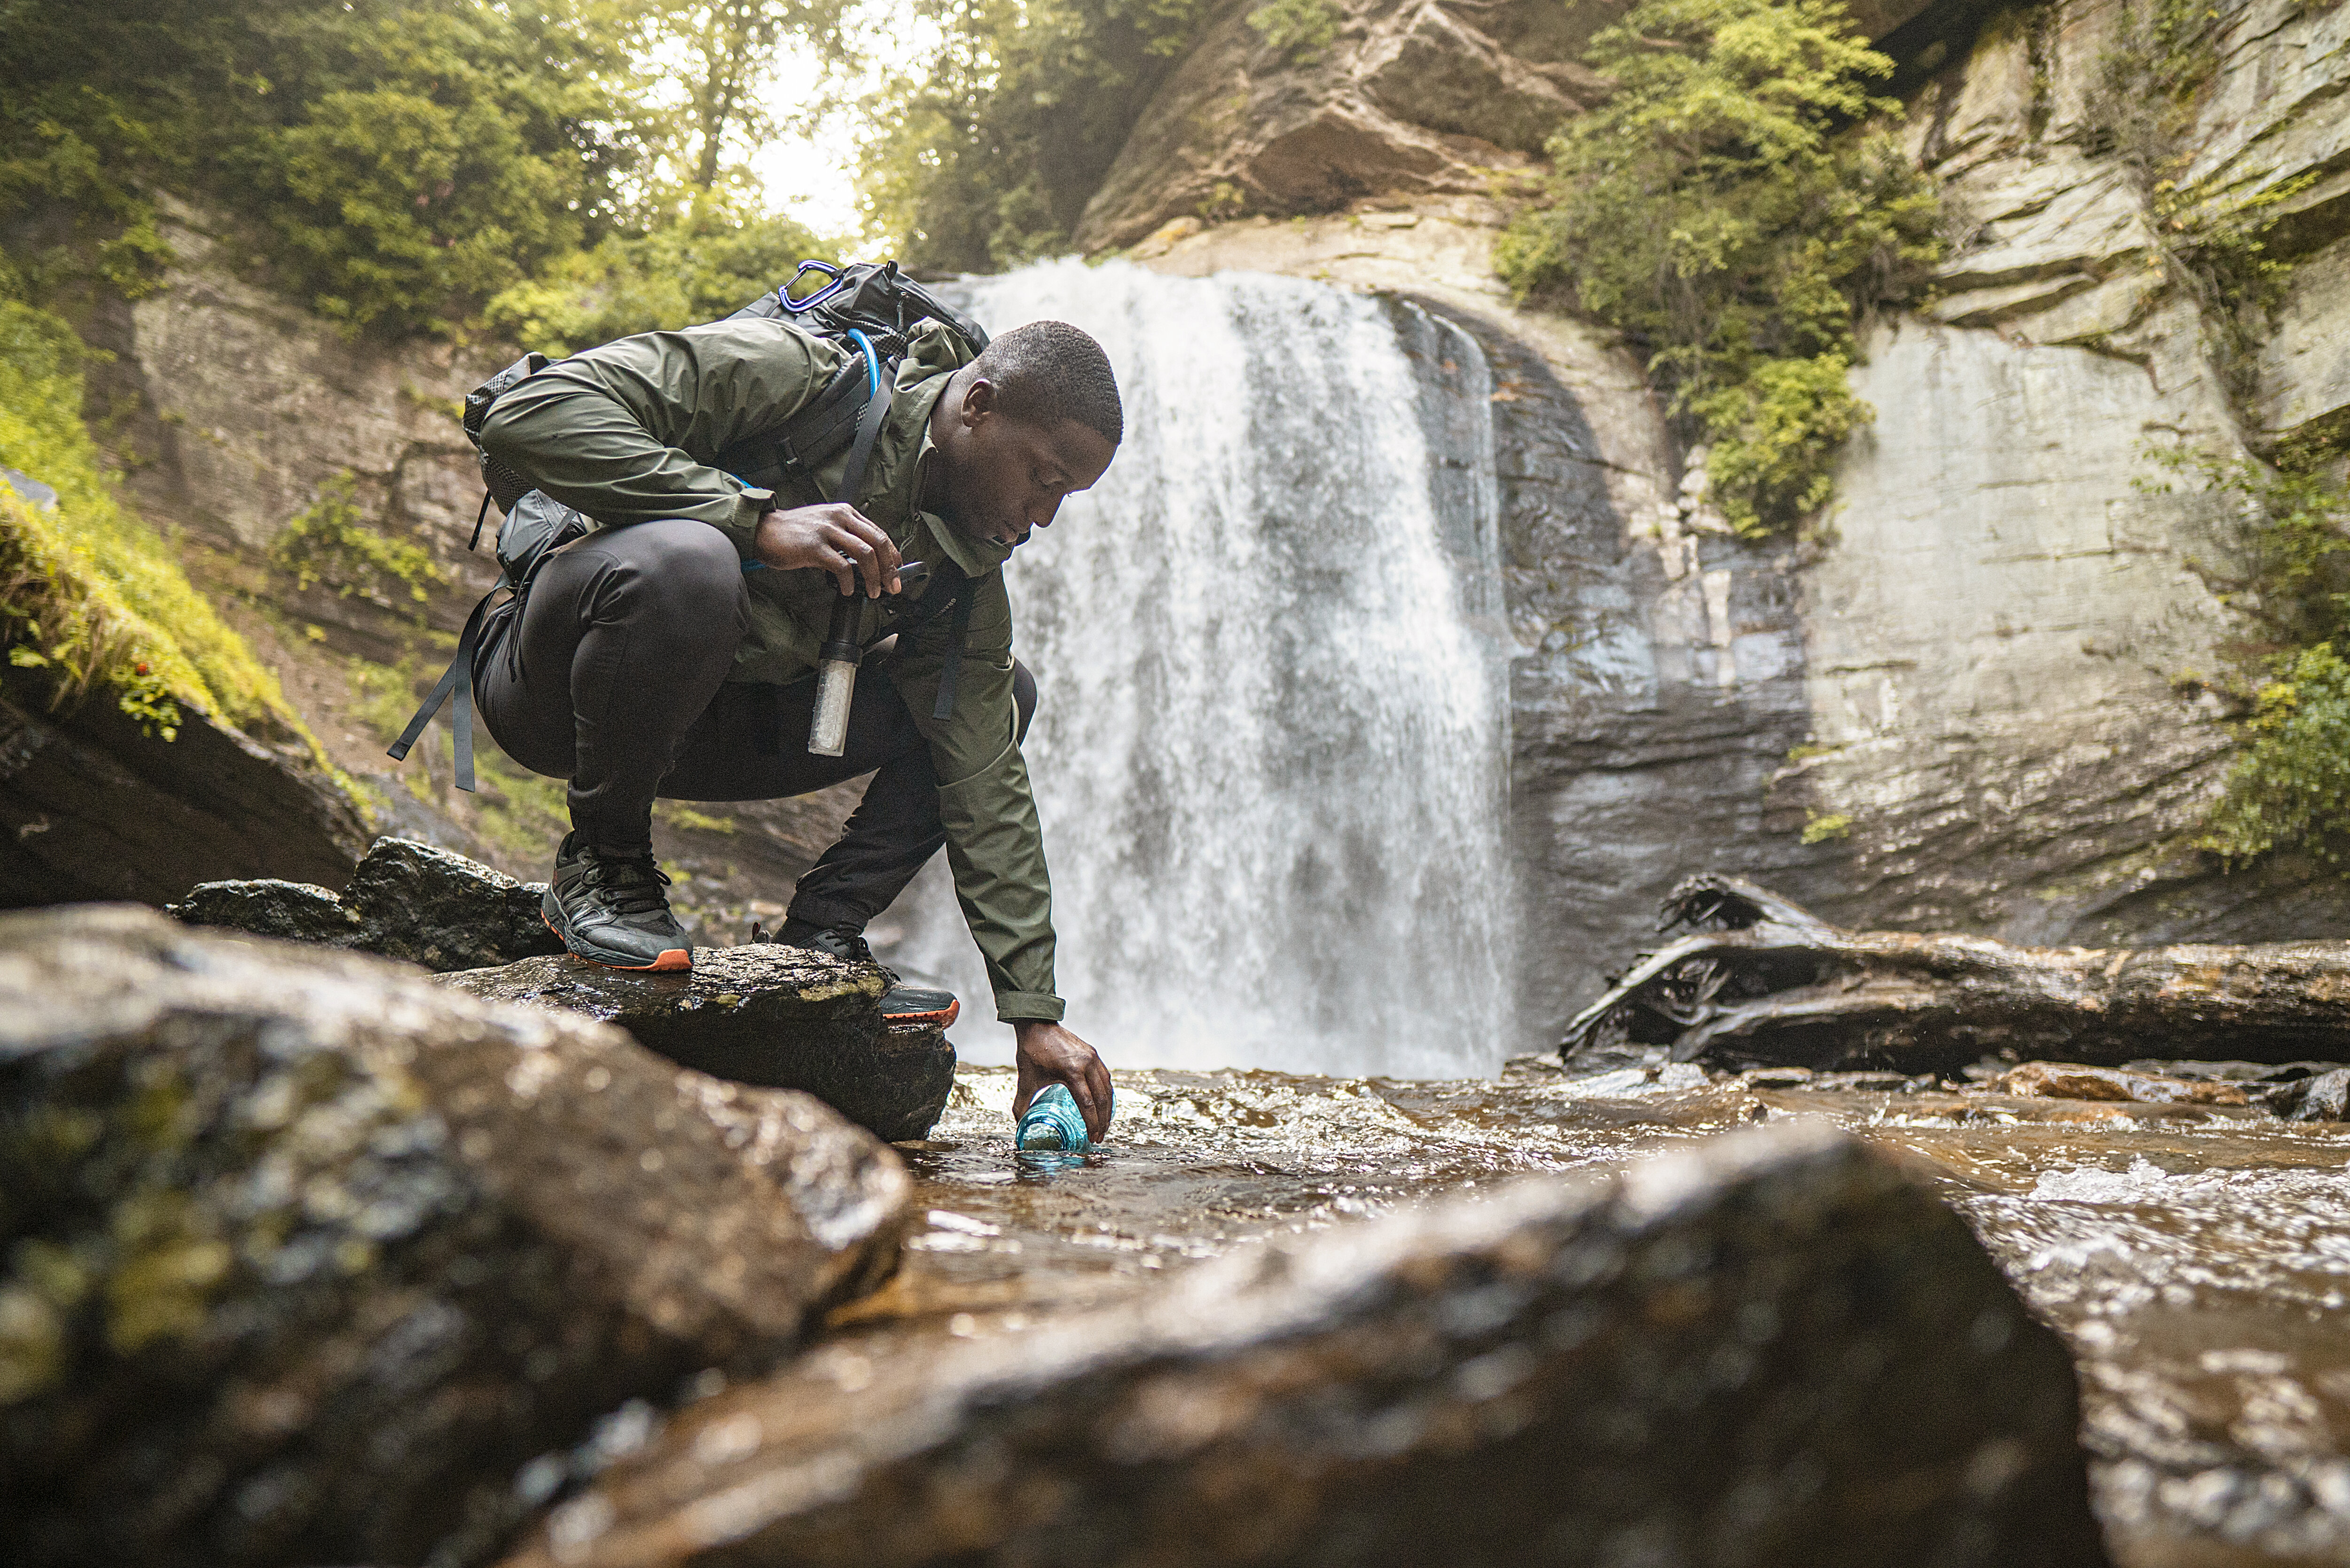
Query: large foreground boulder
[[784, 1017], [306, 1254], [405, 901], [1773, 1350]]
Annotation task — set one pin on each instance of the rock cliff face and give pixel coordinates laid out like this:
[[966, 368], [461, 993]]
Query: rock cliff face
[[232, 411], [1986, 667]]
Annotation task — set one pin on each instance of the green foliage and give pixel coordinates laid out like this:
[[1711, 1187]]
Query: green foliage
[[330, 541], [2291, 788], [395, 165], [986, 159], [2290, 541], [1300, 29], [398, 161], [1818, 829], [88, 594], [710, 260], [1729, 210]]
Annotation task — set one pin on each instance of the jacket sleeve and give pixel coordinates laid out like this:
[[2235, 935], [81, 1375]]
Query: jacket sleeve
[[613, 431], [994, 843]]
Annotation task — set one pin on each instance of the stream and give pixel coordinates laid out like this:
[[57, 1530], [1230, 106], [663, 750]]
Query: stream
[[2197, 1259]]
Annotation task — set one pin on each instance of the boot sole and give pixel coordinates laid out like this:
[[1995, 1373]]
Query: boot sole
[[939, 1018], [669, 961]]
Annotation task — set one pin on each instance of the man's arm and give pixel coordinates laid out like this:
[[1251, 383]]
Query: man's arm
[[613, 431], [995, 846]]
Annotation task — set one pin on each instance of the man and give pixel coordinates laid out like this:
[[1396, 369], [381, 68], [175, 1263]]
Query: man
[[654, 658]]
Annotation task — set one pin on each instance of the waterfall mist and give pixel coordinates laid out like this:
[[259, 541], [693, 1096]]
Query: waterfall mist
[[1271, 752]]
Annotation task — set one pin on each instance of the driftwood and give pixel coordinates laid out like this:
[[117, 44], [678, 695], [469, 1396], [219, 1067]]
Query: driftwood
[[1759, 979]]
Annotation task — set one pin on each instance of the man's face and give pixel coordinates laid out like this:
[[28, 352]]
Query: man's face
[[1004, 475]]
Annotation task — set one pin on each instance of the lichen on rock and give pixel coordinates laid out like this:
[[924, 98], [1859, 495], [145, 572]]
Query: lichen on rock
[[304, 1255]]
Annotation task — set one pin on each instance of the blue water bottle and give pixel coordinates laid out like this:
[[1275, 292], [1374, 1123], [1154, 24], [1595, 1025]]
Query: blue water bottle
[[1053, 1124]]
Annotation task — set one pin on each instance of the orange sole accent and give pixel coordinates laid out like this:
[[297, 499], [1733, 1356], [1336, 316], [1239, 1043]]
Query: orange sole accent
[[670, 963], [941, 1018]]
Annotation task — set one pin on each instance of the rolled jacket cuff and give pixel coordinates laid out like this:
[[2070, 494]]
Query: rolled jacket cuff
[[1022, 1006]]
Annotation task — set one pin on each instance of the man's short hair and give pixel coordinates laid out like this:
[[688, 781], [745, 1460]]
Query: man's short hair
[[1048, 371]]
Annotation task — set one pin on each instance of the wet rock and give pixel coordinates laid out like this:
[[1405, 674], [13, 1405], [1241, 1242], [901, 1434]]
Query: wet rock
[[92, 809], [2325, 1097], [405, 901], [1772, 1349], [306, 1255], [2073, 1081], [783, 1017]]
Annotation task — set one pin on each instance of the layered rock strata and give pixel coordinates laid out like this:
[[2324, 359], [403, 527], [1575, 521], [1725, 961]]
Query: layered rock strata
[[306, 1255], [1774, 1339], [783, 1017], [94, 807]]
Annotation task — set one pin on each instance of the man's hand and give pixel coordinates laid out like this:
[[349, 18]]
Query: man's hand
[[839, 539], [1049, 1054]]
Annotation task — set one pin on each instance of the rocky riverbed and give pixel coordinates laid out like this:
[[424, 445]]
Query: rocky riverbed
[[312, 1257], [2196, 1259]]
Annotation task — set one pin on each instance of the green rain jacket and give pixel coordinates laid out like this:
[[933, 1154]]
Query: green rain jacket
[[627, 433]]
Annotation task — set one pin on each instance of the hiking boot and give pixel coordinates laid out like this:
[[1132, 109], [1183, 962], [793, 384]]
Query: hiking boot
[[609, 909], [902, 1005]]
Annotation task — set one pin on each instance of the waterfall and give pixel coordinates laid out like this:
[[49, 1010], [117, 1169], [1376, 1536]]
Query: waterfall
[[1270, 753]]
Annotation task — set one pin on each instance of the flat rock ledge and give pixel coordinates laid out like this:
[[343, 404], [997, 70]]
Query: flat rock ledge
[[780, 1017], [406, 900], [306, 1256], [1773, 1350]]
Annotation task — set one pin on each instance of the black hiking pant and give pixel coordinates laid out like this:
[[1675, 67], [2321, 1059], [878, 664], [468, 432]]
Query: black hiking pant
[[615, 678]]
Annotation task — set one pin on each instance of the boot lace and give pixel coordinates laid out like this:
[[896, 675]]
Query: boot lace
[[627, 884]]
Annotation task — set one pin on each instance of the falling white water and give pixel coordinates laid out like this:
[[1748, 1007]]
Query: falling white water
[[1271, 749]]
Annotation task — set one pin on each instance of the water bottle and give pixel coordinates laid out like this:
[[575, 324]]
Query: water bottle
[[1053, 1124]]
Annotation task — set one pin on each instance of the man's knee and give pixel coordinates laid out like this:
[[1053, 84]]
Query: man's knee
[[684, 567], [1024, 696]]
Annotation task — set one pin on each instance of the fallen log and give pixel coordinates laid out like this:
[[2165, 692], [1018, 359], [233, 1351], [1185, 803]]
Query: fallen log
[[1760, 981]]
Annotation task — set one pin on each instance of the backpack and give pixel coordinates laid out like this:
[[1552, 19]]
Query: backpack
[[873, 306]]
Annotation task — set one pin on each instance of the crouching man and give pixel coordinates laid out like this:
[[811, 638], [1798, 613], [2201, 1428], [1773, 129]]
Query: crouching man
[[672, 652]]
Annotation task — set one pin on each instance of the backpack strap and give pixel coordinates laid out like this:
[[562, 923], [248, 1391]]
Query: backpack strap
[[458, 680]]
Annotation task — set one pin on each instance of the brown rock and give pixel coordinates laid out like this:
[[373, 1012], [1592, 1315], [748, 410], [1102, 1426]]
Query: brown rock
[[2071, 1081], [306, 1255], [782, 1017], [92, 809], [406, 900], [1772, 1349]]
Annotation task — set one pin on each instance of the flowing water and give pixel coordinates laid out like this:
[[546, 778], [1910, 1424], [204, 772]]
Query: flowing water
[[1271, 751], [2197, 1259], [1270, 759]]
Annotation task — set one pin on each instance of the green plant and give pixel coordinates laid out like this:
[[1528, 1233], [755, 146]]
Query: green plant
[[986, 157], [330, 541], [1300, 29], [1729, 209], [89, 595], [2291, 539], [2291, 787], [1818, 829], [710, 259]]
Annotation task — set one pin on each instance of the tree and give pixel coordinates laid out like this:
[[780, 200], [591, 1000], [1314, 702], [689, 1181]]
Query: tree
[[1728, 208], [987, 157], [729, 47]]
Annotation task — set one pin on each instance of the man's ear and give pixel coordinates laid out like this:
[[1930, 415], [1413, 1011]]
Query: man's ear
[[978, 401]]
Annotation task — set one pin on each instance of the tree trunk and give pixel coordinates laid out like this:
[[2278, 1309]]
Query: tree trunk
[[1759, 979]]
